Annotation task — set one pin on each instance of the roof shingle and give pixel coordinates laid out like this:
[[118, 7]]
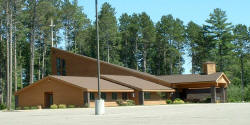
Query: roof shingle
[[90, 83], [136, 83], [188, 78]]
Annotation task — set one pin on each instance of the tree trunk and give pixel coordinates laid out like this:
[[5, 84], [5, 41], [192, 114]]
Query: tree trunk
[[39, 68], [21, 71], [43, 59], [21, 76], [8, 57], [1, 71], [242, 76], [136, 47], [193, 62], [11, 42], [145, 58], [15, 60], [220, 60], [32, 49], [108, 51]]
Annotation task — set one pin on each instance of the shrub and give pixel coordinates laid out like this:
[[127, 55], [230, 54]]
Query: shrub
[[130, 102], [26, 108], [169, 101], [54, 106], [33, 107], [207, 100], [2, 106], [71, 106], [19, 108], [119, 102], [178, 101], [61, 106], [125, 103]]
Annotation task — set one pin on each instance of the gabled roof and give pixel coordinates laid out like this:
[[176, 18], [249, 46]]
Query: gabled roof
[[85, 83], [90, 83], [137, 83], [192, 78]]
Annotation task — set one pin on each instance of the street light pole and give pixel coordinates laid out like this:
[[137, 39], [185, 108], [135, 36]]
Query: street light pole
[[99, 103], [98, 52]]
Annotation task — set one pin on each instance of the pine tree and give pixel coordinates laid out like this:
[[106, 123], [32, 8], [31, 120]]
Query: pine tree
[[241, 42], [108, 34], [147, 37], [220, 29]]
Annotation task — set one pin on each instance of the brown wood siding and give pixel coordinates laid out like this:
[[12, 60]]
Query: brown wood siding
[[154, 100], [62, 94]]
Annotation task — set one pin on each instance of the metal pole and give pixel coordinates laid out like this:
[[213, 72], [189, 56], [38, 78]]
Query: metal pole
[[99, 103], [98, 61]]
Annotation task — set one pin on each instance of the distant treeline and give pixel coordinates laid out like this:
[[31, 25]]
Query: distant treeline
[[133, 41]]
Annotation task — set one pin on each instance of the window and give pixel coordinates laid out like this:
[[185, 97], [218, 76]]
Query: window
[[92, 96], [58, 66], [124, 96], [63, 68], [114, 96], [103, 95], [147, 95], [163, 95]]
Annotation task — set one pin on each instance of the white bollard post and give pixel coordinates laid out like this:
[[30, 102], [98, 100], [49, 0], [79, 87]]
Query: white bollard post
[[99, 107]]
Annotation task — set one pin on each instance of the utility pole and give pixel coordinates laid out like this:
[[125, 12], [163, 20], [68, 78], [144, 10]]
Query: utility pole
[[52, 37], [99, 103]]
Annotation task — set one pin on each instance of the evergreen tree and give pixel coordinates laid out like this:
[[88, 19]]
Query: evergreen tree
[[220, 29], [109, 37]]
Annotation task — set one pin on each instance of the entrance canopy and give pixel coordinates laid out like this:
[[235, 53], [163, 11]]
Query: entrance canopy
[[218, 79]]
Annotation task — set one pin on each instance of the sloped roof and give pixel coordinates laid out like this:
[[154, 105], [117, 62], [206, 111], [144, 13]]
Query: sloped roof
[[87, 83], [90, 83], [132, 72], [191, 78], [136, 83]]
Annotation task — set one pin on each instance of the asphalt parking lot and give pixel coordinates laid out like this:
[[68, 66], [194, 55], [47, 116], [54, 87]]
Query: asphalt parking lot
[[182, 114]]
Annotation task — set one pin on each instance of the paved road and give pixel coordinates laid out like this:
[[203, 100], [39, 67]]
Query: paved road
[[185, 114]]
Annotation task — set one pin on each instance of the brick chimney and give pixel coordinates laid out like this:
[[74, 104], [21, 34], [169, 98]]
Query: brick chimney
[[209, 68]]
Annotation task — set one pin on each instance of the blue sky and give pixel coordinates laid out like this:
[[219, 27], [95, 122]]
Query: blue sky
[[186, 10]]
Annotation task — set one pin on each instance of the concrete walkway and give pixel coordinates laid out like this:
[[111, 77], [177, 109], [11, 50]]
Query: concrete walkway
[[183, 114]]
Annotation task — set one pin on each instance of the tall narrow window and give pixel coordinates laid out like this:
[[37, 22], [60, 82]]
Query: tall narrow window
[[92, 96], [58, 66], [63, 67], [124, 96], [103, 95], [114, 96]]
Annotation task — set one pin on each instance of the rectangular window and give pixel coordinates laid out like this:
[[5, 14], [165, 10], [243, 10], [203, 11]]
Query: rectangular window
[[103, 95], [58, 66], [92, 96], [114, 96], [147, 95], [124, 96], [63, 67], [163, 95]]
